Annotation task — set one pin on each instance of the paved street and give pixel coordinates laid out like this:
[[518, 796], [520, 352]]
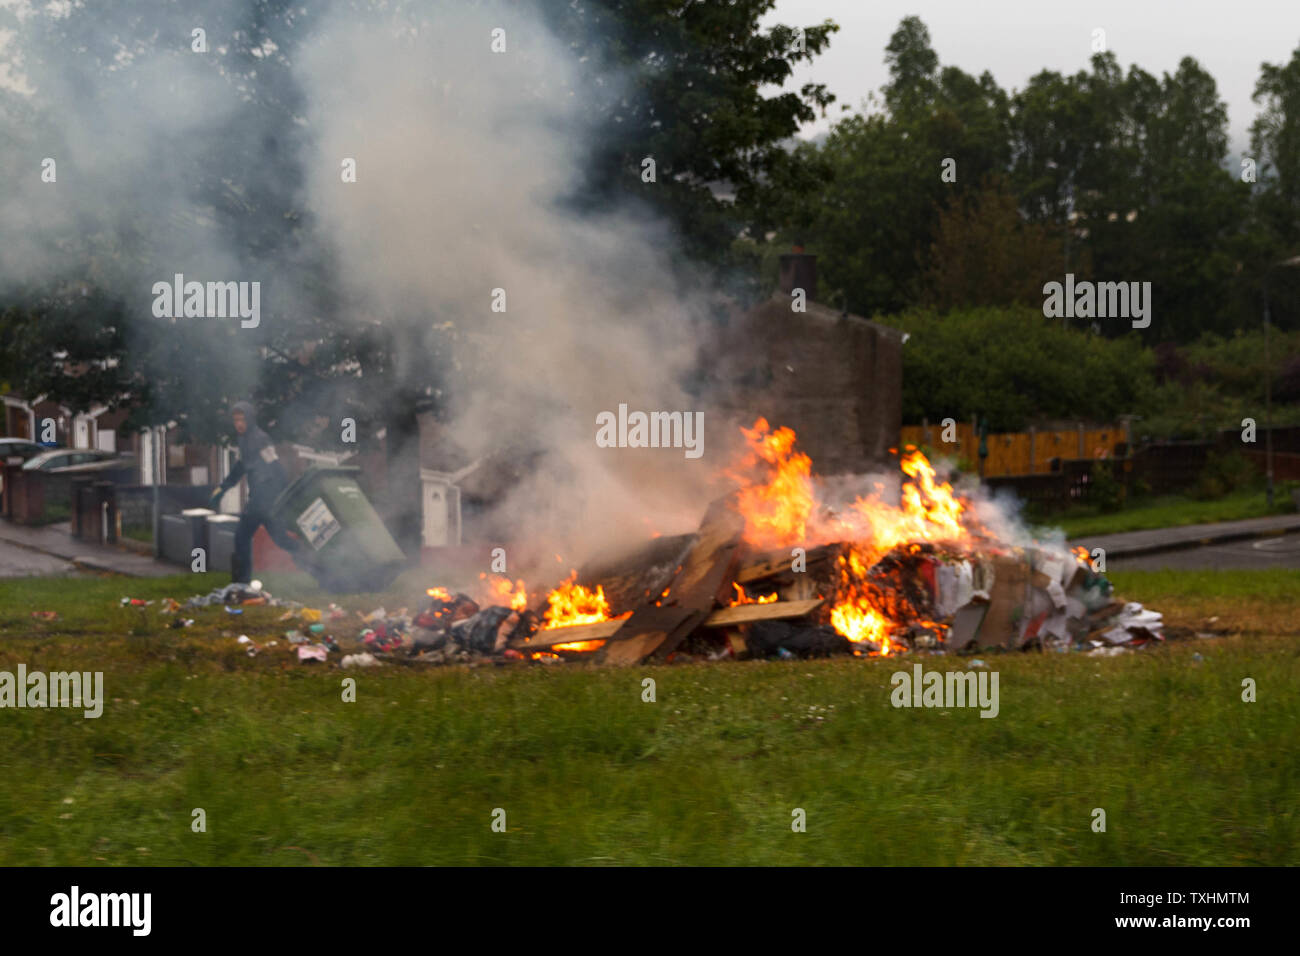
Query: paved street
[[1276, 552], [16, 562], [1272, 542], [26, 550]]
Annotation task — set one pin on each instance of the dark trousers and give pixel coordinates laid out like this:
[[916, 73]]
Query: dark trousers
[[254, 517]]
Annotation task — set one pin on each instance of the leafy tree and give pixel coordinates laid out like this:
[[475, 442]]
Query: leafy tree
[[1014, 367], [875, 219], [985, 253], [690, 94], [1275, 142]]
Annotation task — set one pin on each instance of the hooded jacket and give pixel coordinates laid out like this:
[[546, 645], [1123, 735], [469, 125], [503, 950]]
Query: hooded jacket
[[257, 460]]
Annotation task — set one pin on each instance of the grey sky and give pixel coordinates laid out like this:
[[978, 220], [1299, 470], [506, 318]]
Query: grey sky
[[1014, 39]]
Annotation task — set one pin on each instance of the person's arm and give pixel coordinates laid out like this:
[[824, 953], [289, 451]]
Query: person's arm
[[231, 480]]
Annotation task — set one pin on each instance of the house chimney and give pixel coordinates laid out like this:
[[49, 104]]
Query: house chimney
[[799, 271]]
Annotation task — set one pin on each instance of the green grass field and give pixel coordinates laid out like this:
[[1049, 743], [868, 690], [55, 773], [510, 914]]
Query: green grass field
[[588, 773]]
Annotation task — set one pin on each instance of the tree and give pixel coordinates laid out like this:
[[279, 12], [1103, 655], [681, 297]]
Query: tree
[[697, 74], [984, 253], [875, 220], [1275, 142]]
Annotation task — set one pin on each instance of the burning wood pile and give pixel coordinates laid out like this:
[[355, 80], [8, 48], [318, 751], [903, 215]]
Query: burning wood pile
[[780, 568]]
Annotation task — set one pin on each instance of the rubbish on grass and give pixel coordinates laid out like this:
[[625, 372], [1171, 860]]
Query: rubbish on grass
[[235, 594], [46, 615], [360, 660], [312, 652]]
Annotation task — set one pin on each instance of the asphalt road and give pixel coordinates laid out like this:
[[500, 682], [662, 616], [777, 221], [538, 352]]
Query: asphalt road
[[16, 562], [1273, 552]]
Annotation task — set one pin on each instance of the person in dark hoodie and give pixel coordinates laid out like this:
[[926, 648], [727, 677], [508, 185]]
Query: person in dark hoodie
[[266, 479]]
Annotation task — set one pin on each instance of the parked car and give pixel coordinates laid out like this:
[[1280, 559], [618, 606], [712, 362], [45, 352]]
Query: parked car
[[23, 448], [57, 459]]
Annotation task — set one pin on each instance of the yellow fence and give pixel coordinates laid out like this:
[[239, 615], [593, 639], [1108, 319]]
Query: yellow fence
[[1016, 453]]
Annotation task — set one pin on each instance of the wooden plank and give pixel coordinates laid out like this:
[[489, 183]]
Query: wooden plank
[[773, 563], [646, 630], [705, 579], [723, 617], [749, 613], [695, 591], [567, 635]]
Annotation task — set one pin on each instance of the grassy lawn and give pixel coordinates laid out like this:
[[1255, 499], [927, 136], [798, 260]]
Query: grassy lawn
[[1167, 511], [588, 773]]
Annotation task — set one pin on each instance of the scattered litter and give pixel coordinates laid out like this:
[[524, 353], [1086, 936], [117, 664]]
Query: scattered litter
[[360, 660], [234, 594], [46, 615], [312, 652], [1105, 651]]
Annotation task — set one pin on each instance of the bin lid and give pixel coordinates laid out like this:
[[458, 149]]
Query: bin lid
[[222, 519], [197, 512], [309, 476]]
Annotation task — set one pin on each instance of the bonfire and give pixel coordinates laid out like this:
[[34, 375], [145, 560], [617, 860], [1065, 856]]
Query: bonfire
[[784, 566]]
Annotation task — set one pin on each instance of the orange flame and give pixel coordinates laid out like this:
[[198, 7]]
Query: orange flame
[[742, 597], [782, 510], [777, 510], [571, 604], [503, 592]]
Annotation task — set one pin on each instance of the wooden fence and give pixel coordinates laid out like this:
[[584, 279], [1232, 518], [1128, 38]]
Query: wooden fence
[[1018, 453]]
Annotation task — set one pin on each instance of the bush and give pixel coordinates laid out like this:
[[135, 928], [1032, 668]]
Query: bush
[[1104, 490], [1013, 366], [1223, 474]]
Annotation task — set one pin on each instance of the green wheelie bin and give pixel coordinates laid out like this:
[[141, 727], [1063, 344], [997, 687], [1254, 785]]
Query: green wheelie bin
[[347, 548]]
